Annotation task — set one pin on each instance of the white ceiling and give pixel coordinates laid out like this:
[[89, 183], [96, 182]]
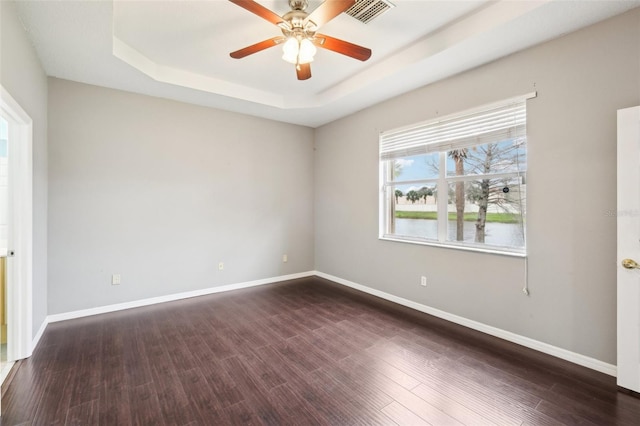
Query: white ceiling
[[180, 49]]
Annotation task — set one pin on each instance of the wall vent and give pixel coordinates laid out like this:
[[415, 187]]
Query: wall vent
[[366, 10]]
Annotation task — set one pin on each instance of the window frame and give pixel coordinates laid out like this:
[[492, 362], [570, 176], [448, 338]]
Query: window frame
[[387, 187]]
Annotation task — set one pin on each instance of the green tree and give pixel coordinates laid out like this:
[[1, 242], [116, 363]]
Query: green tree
[[506, 156], [425, 192], [398, 194], [498, 157], [459, 156], [412, 196], [397, 169]]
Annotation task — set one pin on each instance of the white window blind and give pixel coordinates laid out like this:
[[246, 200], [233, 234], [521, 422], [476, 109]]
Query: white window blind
[[489, 125]]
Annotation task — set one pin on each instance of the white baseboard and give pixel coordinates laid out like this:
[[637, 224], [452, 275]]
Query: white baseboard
[[576, 358], [171, 297], [573, 357], [38, 336]]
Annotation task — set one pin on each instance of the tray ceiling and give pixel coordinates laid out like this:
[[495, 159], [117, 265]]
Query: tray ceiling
[[180, 49]]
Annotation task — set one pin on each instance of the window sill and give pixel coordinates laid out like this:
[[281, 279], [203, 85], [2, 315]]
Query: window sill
[[454, 246]]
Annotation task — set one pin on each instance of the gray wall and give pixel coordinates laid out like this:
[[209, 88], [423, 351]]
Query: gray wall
[[581, 79], [160, 192], [21, 74]]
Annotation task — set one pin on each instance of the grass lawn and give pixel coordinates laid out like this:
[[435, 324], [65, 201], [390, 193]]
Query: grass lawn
[[469, 217]]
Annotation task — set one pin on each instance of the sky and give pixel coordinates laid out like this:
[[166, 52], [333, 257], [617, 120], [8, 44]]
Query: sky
[[419, 167], [425, 166]]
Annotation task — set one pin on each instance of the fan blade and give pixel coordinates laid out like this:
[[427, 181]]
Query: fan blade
[[303, 71], [259, 10], [329, 10], [254, 48], [343, 47]]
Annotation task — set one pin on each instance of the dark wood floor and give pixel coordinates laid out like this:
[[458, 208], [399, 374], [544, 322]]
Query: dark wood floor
[[295, 353]]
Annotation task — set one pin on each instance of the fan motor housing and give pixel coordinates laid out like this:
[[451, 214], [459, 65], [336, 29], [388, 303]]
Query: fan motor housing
[[295, 18], [298, 4]]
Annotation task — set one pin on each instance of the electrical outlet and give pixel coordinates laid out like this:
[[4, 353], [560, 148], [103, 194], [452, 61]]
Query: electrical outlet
[[116, 279], [285, 259], [423, 281], [220, 266]]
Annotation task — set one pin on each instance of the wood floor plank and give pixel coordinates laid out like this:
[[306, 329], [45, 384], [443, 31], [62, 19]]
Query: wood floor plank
[[220, 343], [136, 363], [114, 393], [562, 415], [200, 394], [327, 347], [537, 388], [85, 386], [361, 385], [596, 399], [22, 399], [257, 394], [172, 398], [401, 415], [54, 403], [362, 408], [324, 405], [485, 379], [304, 318], [83, 414], [238, 414], [303, 352], [297, 409], [283, 327], [487, 402], [517, 405], [363, 337], [455, 409], [384, 368], [221, 383], [144, 406], [181, 355], [269, 376], [324, 312], [336, 339], [408, 399]]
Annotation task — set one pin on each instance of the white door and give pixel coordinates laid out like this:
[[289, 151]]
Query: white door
[[19, 227], [628, 215]]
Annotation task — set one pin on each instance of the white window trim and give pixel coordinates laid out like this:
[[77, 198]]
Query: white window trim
[[442, 201]]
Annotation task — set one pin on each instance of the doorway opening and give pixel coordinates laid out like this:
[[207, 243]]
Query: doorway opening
[[16, 231], [4, 200]]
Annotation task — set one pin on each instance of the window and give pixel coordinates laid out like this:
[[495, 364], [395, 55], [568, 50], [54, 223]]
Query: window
[[459, 181]]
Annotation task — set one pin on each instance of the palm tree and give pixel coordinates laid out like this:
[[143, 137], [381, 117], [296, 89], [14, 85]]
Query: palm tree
[[459, 155], [397, 169], [398, 193], [412, 196], [424, 192]]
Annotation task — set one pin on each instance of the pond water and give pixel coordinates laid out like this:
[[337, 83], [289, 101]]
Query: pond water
[[498, 234]]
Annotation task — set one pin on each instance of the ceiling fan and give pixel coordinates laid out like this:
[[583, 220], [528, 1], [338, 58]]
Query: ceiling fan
[[299, 36]]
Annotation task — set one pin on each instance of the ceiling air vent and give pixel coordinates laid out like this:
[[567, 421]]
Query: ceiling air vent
[[365, 10]]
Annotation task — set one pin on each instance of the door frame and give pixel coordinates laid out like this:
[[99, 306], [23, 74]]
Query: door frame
[[628, 231], [19, 229]]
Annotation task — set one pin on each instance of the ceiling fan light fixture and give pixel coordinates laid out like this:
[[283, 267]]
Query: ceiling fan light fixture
[[307, 51], [298, 51], [290, 50], [299, 33]]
